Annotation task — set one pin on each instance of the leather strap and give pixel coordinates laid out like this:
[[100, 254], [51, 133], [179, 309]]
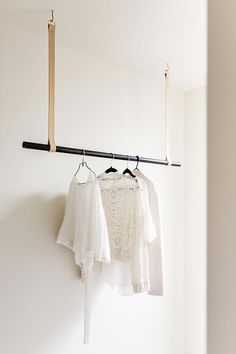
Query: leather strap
[[51, 87], [166, 73]]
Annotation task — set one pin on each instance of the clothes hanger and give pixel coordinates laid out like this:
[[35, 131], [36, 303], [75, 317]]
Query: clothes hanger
[[111, 169], [84, 164], [136, 168], [127, 170]]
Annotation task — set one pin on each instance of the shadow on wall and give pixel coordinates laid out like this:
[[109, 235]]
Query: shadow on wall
[[41, 293]]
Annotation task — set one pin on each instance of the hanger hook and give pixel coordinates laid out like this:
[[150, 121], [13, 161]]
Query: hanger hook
[[51, 21], [112, 159], [136, 168], [83, 157], [128, 160]]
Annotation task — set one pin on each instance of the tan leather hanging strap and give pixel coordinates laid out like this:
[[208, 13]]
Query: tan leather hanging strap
[[166, 74], [51, 87]]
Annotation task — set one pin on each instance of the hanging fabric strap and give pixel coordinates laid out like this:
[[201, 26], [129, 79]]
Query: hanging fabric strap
[[51, 87], [166, 73]]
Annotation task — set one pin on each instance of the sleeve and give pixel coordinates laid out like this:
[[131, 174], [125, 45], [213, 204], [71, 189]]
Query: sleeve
[[156, 260], [91, 236], [149, 231], [155, 210], [100, 241], [67, 231], [97, 249]]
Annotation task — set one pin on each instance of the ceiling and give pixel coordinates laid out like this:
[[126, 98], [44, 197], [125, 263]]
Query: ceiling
[[141, 35]]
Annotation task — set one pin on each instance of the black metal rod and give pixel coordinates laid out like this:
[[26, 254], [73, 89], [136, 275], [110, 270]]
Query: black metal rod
[[106, 155]]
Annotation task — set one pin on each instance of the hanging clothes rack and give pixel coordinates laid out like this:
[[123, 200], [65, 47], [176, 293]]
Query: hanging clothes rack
[[52, 147], [69, 150]]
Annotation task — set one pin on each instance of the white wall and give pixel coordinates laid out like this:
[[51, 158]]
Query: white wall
[[98, 106], [221, 177], [195, 221]]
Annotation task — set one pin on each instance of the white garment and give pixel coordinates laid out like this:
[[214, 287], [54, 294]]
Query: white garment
[[156, 272], [130, 230], [84, 230]]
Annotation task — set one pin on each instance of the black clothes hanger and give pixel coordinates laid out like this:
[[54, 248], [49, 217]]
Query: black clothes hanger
[[111, 169], [127, 170], [136, 168]]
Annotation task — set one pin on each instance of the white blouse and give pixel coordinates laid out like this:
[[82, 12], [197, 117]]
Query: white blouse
[[84, 230], [156, 271], [130, 230]]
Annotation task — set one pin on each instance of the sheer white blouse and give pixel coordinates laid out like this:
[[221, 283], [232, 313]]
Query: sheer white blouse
[[84, 230]]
